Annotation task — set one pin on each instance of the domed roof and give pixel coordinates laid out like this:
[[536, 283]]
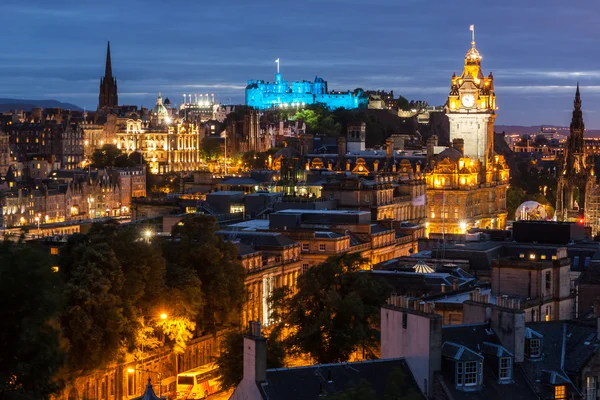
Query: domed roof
[[451, 153], [472, 55], [159, 108], [422, 268], [531, 210]]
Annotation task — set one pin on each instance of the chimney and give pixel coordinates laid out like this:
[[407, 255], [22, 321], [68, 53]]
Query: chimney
[[443, 288], [389, 149], [455, 284], [255, 354], [459, 144], [431, 143]]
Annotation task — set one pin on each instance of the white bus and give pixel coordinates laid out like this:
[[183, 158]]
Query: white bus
[[198, 383]]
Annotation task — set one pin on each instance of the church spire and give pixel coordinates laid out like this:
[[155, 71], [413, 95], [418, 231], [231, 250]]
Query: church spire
[[108, 85], [577, 126], [108, 69]]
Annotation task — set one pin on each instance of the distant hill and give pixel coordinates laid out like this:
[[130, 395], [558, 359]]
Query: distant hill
[[529, 130], [27, 105]]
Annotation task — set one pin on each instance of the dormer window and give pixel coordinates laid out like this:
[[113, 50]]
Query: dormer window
[[560, 392], [505, 370], [534, 347], [468, 373]]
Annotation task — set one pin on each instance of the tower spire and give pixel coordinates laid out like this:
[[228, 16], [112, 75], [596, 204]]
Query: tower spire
[[472, 29], [108, 69], [577, 126]]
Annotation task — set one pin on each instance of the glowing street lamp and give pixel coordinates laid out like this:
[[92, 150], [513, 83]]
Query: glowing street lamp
[[163, 316]]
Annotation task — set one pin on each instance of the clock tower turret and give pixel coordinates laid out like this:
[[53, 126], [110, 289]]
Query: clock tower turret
[[471, 108]]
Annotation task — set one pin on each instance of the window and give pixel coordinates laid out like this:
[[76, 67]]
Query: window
[[304, 268], [548, 280], [404, 320], [534, 348], [590, 388], [560, 392], [459, 373], [505, 368], [547, 313], [54, 251], [322, 247], [470, 378], [304, 246]]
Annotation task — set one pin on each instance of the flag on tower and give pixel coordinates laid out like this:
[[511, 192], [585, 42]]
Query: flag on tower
[[278, 58], [472, 28]]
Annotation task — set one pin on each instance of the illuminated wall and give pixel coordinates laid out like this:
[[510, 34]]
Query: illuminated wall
[[283, 94]]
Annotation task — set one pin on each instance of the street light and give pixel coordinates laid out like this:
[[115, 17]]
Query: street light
[[37, 219], [132, 370], [163, 316]]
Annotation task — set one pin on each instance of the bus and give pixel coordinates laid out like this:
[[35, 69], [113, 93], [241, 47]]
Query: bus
[[198, 383]]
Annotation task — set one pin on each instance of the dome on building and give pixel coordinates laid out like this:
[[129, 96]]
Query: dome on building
[[159, 108], [473, 55], [422, 268], [531, 210], [167, 102]]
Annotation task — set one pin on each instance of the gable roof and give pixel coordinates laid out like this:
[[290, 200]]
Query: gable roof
[[314, 382]]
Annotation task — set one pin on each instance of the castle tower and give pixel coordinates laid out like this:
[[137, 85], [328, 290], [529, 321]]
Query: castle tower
[[471, 108], [108, 85], [576, 177]]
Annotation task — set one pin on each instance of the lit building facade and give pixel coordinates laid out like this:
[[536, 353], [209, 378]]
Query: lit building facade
[[467, 183], [265, 95], [167, 145]]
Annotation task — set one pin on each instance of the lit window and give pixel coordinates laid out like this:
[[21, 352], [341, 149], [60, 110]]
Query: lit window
[[521, 255], [505, 368], [590, 387], [560, 392], [321, 247], [54, 268], [54, 251]]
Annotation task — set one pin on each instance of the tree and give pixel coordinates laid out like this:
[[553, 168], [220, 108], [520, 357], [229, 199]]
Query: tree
[[31, 351], [211, 147], [335, 311], [215, 263], [110, 155], [231, 358]]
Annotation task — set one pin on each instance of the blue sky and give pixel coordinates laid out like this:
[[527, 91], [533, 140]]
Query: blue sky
[[537, 49]]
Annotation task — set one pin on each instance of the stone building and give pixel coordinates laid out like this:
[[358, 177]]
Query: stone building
[[167, 144], [577, 192], [460, 195], [467, 183]]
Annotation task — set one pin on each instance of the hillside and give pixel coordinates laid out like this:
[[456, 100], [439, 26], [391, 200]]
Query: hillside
[[27, 105]]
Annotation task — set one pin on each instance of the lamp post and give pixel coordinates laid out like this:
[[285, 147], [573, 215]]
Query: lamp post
[[132, 370], [37, 219]]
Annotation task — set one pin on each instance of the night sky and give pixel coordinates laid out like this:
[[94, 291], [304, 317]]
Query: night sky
[[537, 49]]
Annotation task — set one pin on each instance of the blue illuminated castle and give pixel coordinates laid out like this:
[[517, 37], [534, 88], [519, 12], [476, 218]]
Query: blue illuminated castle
[[281, 94]]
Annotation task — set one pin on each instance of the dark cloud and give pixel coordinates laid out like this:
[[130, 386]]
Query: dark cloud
[[537, 51]]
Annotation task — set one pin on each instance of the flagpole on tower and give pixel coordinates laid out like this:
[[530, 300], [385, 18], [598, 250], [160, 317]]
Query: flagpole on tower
[[472, 29], [277, 61]]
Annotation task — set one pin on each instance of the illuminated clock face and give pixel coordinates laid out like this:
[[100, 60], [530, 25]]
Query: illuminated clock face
[[468, 100]]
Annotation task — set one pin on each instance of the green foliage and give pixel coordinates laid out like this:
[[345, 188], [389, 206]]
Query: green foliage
[[214, 261], [319, 121], [111, 156], [335, 311], [211, 148], [31, 353], [231, 358]]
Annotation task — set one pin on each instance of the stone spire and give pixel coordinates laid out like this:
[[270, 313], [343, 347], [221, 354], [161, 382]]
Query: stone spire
[[577, 126], [108, 68], [108, 85]]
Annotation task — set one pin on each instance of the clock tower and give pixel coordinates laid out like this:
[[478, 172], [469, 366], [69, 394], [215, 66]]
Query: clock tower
[[471, 108]]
